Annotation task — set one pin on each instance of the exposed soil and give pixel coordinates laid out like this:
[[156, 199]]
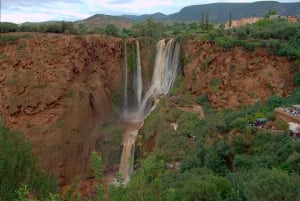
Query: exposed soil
[[234, 77], [197, 109], [57, 89]]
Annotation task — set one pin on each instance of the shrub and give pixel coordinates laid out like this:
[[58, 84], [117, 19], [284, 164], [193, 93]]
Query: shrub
[[281, 124], [18, 167]]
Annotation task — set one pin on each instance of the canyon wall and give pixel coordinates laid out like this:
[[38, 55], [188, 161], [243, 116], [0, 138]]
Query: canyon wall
[[233, 77], [58, 90]]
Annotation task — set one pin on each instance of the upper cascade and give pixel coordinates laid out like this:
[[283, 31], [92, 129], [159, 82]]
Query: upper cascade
[[164, 74]]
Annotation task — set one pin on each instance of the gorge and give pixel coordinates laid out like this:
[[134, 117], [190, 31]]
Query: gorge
[[65, 92]]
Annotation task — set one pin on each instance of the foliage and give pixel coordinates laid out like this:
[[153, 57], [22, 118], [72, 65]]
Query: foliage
[[8, 27], [111, 30], [96, 165], [7, 38], [226, 160], [272, 184], [18, 167], [296, 78], [148, 28]]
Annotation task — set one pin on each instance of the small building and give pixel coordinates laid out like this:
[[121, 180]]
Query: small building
[[260, 121], [291, 18], [297, 107], [294, 129]]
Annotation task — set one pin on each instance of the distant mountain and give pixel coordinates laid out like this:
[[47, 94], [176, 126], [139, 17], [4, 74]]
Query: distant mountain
[[155, 16], [100, 20], [219, 12]]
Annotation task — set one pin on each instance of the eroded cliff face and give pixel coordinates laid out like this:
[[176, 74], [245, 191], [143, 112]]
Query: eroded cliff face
[[57, 89], [234, 77]]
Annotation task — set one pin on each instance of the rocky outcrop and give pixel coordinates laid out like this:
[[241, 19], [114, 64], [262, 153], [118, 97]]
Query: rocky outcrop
[[234, 77], [58, 89]]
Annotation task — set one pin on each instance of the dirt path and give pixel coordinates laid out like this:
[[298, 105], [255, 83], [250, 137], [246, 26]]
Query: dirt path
[[197, 109]]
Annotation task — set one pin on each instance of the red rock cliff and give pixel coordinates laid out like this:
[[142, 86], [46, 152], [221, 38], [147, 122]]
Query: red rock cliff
[[57, 88], [234, 77]]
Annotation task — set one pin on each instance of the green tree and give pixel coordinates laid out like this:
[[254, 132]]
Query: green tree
[[82, 28], [68, 27], [18, 167], [272, 184], [111, 30], [8, 27], [97, 167], [296, 79]]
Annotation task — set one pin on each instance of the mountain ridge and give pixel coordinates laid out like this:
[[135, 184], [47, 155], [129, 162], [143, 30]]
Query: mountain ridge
[[216, 13], [219, 12]]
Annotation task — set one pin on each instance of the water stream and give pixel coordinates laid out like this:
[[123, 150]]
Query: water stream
[[125, 106], [139, 83], [164, 74]]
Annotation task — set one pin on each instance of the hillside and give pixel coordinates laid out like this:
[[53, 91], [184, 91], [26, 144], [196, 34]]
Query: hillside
[[100, 20], [219, 12], [155, 16]]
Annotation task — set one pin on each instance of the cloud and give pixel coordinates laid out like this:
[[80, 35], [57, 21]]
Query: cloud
[[37, 11], [121, 1], [43, 10], [11, 3]]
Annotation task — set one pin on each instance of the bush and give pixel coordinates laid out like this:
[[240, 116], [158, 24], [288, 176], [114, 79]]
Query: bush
[[8, 27], [272, 184], [224, 42], [296, 79], [281, 125], [18, 167]]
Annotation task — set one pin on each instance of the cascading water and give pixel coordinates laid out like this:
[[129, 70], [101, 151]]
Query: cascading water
[[165, 71], [125, 107], [139, 84], [164, 74]]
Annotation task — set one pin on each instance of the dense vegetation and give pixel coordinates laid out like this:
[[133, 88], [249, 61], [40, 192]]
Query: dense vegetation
[[19, 173], [219, 157]]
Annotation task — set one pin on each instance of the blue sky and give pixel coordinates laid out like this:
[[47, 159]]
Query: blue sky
[[19, 11]]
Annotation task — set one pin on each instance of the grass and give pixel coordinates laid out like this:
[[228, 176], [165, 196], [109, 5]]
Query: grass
[[206, 62], [69, 93], [7, 38], [214, 84], [12, 81], [2, 56], [21, 46], [59, 123], [39, 85]]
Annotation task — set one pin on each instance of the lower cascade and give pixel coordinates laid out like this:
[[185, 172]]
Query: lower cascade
[[164, 74]]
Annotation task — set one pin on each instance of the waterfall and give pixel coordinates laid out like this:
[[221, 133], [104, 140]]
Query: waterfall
[[127, 158], [125, 107], [164, 74], [139, 84], [165, 71]]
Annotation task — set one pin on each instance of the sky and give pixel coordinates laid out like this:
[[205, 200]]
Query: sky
[[19, 11]]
